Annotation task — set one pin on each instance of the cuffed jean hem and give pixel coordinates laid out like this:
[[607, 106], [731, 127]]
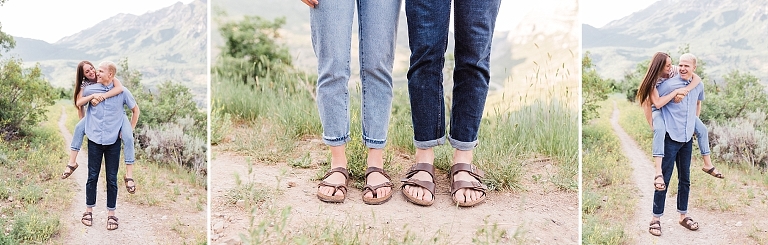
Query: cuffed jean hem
[[374, 143], [129, 163], [429, 143], [657, 215], [336, 141], [462, 146], [90, 205], [111, 209], [682, 211], [74, 149]]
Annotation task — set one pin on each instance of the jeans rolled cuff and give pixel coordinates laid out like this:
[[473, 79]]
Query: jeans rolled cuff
[[374, 143], [336, 141], [658, 155], [74, 149], [657, 215], [90, 205], [705, 153], [111, 209], [129, 162], [463, 146], [429, 143], [682, 211]]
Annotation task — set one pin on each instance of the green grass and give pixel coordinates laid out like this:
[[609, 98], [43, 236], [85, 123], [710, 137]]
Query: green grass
[[606, 179], [29, 171]]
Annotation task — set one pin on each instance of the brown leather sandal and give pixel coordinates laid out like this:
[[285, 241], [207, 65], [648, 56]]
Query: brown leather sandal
[[368, 188], [711, 171], [130, 188], [112, 223], [655, 230], [337, 187], [687, 222], [659, 186], [71, 170], [87, 216], [473, 185], [409, 180]]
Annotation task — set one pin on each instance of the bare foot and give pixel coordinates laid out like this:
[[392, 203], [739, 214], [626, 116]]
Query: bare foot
[[465, 195], [335, 178], [419, 192], [374, 179]]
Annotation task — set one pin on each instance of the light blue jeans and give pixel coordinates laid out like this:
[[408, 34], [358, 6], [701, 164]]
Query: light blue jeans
[[126, 133], [659, 132], [331, 24]]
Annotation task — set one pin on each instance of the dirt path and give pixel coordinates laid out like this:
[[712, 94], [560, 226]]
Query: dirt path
[[138, 224], [538, 215], [715, 227]]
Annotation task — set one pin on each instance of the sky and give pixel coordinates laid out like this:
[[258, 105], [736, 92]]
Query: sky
[[51, 20], [593, 12]]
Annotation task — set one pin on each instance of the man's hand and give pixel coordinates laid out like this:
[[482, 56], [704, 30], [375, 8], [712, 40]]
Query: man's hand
[[680, 94], [310, 3]]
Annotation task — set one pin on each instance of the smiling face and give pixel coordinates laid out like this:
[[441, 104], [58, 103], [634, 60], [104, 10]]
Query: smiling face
[[90, 72], [687, 67], [104, 74], [667, 67]]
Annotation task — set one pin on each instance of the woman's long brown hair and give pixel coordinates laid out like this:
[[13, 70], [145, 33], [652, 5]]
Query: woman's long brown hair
[[79, 79], [651, 76]]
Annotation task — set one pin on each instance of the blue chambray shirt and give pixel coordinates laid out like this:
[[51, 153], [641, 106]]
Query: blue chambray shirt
[[103, 121], [680, 118]]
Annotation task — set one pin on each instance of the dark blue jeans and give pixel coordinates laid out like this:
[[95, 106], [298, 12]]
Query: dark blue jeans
[[428, 22], [675, 153], [111, 155]]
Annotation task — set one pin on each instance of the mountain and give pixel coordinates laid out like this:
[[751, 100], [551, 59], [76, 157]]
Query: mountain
[[554, 29], [726, 34], [167, 44]]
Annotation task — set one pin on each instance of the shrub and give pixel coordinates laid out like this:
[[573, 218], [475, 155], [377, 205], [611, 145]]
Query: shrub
[[25, 95], [169, 144], [739, 142]]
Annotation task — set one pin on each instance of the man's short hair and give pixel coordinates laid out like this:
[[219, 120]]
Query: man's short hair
[[689, 56], [110, 65]]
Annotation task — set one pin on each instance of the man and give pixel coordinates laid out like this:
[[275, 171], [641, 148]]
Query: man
[[102, 125], [428, 22], [680, 119]]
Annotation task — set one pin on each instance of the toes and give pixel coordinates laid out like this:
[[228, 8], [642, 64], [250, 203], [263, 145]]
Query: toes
[[368, 194]]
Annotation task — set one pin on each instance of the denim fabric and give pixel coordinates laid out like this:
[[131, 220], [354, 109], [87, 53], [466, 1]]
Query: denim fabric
[[675, 154], [111, 155], [126, 133], [331, 24], [659, 132], [428, 23]]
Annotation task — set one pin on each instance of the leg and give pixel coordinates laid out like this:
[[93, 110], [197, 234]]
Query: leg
[[683, 190], [331, 24], [126, 134], [671, 149], [659, 132], [702, 135], [474, 22], [77, 141], [95, 154], [428, 23], [111, 165], [378, 29]]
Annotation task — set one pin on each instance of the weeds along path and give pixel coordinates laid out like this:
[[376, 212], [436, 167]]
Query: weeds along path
[[541, 214], [710, 232], [137, 224]]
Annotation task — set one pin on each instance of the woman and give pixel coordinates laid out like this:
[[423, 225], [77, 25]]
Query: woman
[[86, 75], [660, 70], [331, 24]]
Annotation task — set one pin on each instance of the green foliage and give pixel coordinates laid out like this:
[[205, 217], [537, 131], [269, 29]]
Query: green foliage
[[254, 40], [740, 94], [168, 143], [25, 94], [34, 226], [739, 141], [593, 89]]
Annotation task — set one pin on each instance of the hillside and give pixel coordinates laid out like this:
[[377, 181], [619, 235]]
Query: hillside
[[167, 44], [725, 34]]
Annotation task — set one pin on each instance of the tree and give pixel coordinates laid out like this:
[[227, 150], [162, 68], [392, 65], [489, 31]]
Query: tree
[[593, 89], [742, 93], [25, 94], [254, 40]]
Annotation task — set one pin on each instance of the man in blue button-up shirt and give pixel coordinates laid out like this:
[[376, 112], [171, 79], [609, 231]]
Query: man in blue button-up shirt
[[680, 119], [102, 125]]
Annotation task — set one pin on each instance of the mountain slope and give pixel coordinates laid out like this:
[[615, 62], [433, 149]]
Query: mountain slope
[[726, 34]]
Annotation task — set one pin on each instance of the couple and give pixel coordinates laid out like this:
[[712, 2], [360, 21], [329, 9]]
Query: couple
[[674, 125], [428, 22], [104, 122]]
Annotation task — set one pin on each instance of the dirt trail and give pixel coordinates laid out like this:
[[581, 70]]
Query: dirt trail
[[715, 227], [138, 224], [536, 215]]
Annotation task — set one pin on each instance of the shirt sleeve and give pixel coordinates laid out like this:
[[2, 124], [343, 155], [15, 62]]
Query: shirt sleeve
[[701, 89], [128, 98]]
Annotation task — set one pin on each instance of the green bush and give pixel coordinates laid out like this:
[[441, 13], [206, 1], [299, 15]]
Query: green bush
[[25, 95], [594, 89], [168, 143]]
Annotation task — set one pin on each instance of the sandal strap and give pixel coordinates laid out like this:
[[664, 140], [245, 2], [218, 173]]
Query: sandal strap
[[87, 214], [368, 188], [656, 222], [371, 170], [710, 171], [474, 185], [341, 170], [112, 218], [336, 187], [426, 167], [658, 176], [72, 169], [430, 186], [469, 168]]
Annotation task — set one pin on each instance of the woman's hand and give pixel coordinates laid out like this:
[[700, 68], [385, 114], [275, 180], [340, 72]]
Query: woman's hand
[[310, 3], [681, 93]]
